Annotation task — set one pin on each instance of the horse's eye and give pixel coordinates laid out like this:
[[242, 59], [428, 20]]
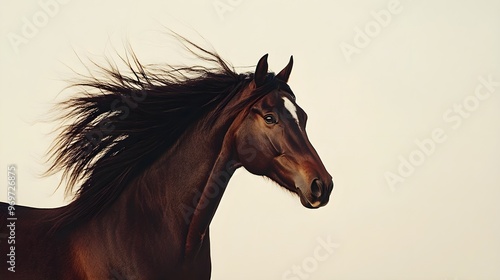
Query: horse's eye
[[270, 119]]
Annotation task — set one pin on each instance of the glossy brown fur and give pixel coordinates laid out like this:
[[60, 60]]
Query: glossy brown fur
[[144, 208]]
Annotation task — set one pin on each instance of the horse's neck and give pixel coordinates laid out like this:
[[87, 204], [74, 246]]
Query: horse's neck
[[213, 189], [177, 196]]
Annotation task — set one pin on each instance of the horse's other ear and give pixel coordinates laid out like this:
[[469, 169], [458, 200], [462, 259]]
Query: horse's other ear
[[261, 71], [285, 73]]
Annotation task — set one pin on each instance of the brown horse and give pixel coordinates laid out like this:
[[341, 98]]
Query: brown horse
[[152, 153]]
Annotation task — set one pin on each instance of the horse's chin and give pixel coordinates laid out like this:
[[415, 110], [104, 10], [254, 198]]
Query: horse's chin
[[307, 203]]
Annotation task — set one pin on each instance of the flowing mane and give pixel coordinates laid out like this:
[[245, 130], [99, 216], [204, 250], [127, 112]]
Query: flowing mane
[[120, 124]]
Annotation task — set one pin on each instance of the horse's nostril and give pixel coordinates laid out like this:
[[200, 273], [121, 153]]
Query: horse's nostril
[[316, 188]]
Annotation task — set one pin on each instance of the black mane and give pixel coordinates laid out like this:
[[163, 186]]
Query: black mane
[[121, 123]]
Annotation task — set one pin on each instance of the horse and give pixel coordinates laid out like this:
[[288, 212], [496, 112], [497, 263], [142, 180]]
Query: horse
[[148, 152]]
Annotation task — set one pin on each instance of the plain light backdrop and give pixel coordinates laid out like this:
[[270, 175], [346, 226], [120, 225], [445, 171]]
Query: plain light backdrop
[[373, 85]]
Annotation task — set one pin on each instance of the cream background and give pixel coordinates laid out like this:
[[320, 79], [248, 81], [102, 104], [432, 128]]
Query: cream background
[[441, 223]]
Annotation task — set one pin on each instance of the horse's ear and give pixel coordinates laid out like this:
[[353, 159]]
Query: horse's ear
[[285, 73], [261, 71]]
